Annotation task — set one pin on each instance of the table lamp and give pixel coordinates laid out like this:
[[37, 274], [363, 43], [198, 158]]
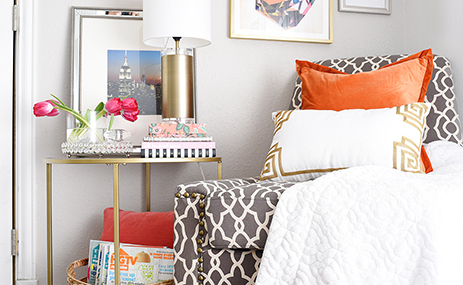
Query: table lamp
[[177, 27]]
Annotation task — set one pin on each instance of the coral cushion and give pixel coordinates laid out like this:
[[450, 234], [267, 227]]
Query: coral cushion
[[399, 83], [146, 228]]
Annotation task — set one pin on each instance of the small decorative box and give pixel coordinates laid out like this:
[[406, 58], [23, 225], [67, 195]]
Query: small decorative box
[[173, 130]]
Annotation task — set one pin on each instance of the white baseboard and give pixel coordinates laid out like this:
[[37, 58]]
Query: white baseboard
[[27, 282]]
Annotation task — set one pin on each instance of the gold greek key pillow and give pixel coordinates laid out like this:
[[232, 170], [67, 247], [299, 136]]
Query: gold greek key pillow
[[309, 143]]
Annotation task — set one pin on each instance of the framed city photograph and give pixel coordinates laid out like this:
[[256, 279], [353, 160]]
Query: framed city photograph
[[137, 74], [366, 6], [110, 60], [282, 20]]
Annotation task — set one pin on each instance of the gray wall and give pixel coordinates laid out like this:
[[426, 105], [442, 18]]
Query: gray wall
[[239, 83], [438, 26]]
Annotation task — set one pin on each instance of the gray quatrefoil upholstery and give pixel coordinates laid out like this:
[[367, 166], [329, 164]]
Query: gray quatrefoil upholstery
[[221, 226]]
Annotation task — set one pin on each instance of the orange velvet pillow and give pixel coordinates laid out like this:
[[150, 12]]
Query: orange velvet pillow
[[145, 228], [399, 83]]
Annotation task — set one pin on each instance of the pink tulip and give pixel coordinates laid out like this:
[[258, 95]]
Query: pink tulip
[[55, 111], [45, 108], [129, 105], [131, 116], [114, 106]]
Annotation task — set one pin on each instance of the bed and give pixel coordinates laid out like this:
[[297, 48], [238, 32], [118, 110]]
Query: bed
[[343, 212]]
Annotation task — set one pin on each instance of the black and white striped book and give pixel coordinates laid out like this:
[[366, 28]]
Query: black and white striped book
[[177, 139], [177, 153]]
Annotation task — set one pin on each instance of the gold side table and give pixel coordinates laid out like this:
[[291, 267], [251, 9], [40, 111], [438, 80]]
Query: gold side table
[[115, 162]]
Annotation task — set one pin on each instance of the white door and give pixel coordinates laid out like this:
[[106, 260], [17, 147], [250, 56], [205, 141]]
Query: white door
[[25, 263], [6, 142]]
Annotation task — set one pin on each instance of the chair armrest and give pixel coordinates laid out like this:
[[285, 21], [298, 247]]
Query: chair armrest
[[189, 230]]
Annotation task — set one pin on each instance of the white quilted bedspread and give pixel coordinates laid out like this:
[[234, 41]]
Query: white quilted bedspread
[[371, 225]]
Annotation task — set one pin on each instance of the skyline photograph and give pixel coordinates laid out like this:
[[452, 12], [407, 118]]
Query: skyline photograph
[[136, 74], [140, 61]]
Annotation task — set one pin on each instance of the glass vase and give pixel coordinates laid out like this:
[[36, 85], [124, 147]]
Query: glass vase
[[78, 133]]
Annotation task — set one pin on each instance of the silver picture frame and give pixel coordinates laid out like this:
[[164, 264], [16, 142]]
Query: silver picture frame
[[365, 6], [89, 58]]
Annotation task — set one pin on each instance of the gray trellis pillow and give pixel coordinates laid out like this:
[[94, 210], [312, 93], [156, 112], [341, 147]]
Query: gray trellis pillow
[[442, 123]]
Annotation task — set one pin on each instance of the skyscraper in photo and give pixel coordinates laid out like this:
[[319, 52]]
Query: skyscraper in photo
[[125, 78]]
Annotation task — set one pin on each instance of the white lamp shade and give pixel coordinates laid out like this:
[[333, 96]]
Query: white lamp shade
[[188, 19]]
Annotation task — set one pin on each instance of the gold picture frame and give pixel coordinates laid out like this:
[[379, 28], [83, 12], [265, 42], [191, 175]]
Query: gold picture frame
[[253, 20]]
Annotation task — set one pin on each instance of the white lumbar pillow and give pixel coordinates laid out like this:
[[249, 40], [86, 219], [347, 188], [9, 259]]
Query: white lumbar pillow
[[309, 143]]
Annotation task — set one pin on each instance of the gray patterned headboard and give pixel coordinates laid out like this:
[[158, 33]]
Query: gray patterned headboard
[[443, 122]]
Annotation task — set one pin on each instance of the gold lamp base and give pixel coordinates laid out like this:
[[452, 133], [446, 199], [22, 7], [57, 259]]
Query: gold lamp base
[[178, 102]]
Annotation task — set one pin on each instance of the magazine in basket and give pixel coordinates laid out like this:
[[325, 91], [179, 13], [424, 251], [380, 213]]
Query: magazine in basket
[[139, 264]]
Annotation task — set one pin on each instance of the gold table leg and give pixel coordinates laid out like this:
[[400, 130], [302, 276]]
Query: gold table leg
[[219, 169], [117, 265], [148, 186], [49, 227]]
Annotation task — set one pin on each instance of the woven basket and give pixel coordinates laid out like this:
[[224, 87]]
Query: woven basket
[[71, 275]]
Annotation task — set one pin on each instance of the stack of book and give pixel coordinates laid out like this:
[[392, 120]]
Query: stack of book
[[171, 140], [139, 264]]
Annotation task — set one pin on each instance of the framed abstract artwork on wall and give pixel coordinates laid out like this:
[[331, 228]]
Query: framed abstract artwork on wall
[[282, 20], [110, 60], [366, 6]]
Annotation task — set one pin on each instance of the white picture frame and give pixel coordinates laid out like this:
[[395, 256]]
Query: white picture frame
[[365, 6], [95, 31]]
